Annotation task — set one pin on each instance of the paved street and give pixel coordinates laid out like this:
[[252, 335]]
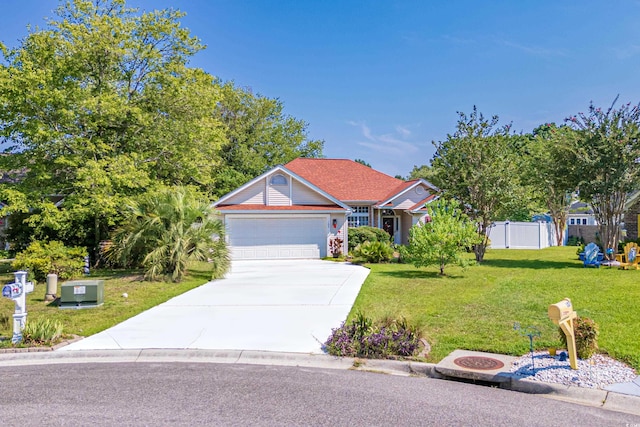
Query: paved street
[[287, 306], [219, 394]]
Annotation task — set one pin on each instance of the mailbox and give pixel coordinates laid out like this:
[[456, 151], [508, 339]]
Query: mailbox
[[12, 290], [562, 314], [561, 311], [17, 292]]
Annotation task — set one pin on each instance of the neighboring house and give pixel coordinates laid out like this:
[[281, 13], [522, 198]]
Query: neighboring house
[[581, 222], [580, 213], [295, 210]]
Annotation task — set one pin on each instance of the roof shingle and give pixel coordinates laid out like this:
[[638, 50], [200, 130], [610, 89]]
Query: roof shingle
[[345, 179]]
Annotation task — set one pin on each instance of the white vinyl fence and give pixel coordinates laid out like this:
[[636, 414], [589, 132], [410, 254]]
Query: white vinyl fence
[[521, 235]]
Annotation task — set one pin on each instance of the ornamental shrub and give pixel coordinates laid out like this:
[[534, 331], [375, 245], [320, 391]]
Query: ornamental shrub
[[165, 230], [374, 252], [52, 257], [42, 331], [359, 235], [362, 338], [586, 331]]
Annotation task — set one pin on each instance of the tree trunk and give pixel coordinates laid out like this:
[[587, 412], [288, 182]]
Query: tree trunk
[[558, 206], [608, 210], [96, 234], [481, 247]]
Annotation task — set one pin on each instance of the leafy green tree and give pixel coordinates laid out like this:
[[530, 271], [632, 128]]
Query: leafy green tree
[[604, 160], [362, 162], [548, 162], [168, 228], [443, 238], [425, 172], [259, 136], [99, 106], [478, 166]]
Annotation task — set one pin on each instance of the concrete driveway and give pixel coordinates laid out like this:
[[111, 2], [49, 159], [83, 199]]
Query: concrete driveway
[[287, 306]]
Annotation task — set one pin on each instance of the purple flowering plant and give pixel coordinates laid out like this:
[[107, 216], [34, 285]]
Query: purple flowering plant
[[362, 338]]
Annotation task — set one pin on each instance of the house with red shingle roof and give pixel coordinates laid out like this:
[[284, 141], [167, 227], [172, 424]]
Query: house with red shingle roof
[[296, 210]]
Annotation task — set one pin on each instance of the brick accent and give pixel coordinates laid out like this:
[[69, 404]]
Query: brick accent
[[589, 233], [586, 232], [631, 220]]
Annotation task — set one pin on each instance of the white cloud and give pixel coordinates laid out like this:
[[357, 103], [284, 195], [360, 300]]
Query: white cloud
[[388, 151], [366, 131], [457, 40], [391, 144], [390, 140], [403, 131], [627, 51], [532, 50]]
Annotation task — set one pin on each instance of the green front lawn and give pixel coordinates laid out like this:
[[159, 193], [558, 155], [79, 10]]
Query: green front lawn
[[142, 295], [475, 309]]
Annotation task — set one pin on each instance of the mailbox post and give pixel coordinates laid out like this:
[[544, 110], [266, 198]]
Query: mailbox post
[[17, 291], [562, 314]]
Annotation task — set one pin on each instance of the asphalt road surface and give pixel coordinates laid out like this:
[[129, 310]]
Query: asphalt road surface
[[158, 394]]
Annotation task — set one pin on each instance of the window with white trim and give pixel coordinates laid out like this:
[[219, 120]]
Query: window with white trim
[[359, 216], [278, 180]]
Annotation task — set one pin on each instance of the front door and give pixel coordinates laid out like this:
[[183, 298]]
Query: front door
[[388, 225]]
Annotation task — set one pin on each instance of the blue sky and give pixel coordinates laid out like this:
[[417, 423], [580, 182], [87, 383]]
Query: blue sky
[[380, 80]]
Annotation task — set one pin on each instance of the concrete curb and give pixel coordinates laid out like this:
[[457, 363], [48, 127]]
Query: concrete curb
[[397, 367], [584, 396]]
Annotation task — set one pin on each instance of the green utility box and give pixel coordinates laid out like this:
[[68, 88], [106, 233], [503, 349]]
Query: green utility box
[[82, 294]]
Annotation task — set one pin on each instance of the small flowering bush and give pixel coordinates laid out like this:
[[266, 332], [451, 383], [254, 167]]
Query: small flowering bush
[[361, 338], [586, 331], [335, 245]]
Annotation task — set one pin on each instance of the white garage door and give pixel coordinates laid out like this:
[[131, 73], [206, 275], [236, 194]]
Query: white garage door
[[277, 238]]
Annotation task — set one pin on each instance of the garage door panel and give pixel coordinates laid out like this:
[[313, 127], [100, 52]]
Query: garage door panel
[[277, 238]]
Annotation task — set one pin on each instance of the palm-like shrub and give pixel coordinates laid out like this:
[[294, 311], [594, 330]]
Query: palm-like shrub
[[167, 229], [374, 252]]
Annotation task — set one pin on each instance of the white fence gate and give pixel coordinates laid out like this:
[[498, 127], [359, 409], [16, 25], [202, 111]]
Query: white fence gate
[[521, 235]]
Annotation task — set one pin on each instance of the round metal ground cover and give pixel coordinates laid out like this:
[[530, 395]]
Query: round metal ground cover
[[478, 363]]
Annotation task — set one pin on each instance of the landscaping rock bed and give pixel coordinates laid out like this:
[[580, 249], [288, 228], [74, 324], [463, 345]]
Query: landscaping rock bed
[[598, 371]]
